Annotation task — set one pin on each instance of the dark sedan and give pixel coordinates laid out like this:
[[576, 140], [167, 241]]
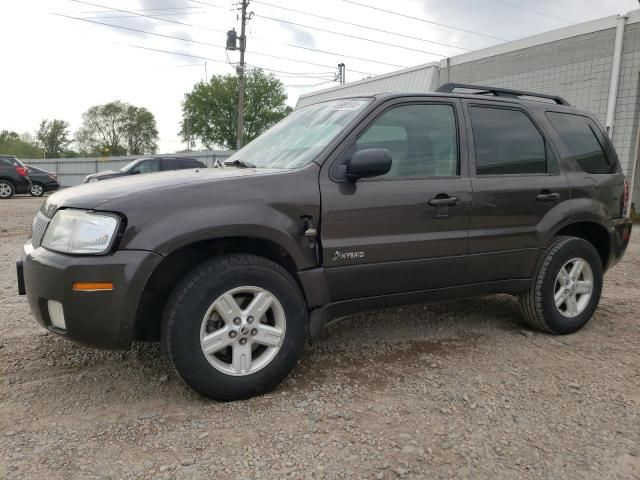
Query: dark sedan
[[147, 165], [42, 181]]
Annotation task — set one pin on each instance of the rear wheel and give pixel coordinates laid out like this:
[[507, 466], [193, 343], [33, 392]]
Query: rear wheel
[[235, 326], [7, 190], [36, 190], [566, 289]]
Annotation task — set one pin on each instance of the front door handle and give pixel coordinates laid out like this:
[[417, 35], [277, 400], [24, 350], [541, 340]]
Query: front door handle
[[548, 197], [443, 201]]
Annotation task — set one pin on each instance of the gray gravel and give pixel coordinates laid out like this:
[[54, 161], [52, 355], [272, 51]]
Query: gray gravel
[[457, 389]]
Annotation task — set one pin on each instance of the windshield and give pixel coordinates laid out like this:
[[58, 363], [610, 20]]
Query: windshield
[[296, 140], [129, 165]]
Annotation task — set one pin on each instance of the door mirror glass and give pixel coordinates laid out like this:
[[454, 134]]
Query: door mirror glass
[[370, 162]]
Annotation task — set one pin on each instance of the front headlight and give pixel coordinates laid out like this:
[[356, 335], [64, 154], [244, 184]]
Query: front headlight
[[80, 232]]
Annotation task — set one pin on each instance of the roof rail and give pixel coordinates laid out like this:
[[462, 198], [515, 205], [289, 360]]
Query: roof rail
[[499, 92]]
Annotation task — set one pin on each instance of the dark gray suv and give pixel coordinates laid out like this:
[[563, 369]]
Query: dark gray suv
[[344, 206], [14, 177], [146, 165]]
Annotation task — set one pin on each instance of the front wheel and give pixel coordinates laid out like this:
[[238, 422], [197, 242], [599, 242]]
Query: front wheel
[[566, 289], [36, 190], [235, 326]]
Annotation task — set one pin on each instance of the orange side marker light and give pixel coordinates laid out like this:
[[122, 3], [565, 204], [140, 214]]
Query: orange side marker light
[[92, 286]]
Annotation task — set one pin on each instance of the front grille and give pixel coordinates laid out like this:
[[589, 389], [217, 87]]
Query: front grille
[[38, 228]]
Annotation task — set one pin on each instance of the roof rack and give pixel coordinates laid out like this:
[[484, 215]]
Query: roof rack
[[499, 92]]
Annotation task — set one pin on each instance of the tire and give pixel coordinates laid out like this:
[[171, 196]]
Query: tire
[[562, 302], [7, 190], [36, 190], [197, 311]]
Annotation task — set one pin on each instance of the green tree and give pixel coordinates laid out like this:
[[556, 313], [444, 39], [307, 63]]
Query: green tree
[[209, 111], [118, 128], [141, 131], [53, 137], [21, 146]]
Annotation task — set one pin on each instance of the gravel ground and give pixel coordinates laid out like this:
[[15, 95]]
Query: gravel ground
[[456, 389]]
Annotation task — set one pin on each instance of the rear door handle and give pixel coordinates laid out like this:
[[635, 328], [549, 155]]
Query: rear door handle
[[443, 201], [548, 197]]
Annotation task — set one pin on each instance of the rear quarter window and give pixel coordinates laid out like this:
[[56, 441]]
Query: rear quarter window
[[579, 135]]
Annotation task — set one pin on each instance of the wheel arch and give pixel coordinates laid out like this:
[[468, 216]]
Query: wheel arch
[[594, 233], [180, 261], [7, 179]]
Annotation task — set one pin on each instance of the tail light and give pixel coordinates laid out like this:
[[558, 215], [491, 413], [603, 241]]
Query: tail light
[[53, 177], [21, 171], [625, 205]]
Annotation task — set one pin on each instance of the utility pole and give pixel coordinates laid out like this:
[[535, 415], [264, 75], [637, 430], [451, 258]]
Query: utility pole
[[240, 70], [341, 73], [188, 125]]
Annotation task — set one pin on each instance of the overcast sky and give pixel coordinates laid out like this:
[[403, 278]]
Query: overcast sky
[[55, 67]]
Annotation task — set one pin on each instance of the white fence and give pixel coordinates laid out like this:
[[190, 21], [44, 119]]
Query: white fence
[[71, 171]]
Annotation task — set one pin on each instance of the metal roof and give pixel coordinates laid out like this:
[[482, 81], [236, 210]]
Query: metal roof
[[423, 78]]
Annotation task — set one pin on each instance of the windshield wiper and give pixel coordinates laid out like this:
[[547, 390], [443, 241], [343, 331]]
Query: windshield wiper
[[238, 163]]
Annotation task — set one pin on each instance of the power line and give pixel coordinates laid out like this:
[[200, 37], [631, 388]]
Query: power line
[[284, 74], [177, 38], [422, 20], [204, 58], [306, 86], [361, 26], [178, 53], [395, 45], [333, 53], [137, 10], [157, 14], [218, 31], [144, 15], [173, 37], [534, 11]]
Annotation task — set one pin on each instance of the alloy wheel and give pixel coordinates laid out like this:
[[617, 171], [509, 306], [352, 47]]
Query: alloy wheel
[[36, 190], [573, 287], [5, 190], [243, 330]]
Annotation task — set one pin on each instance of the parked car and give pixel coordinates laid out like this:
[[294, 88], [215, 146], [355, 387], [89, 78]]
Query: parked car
[[147, 165], [41, 181], [344, 206], [14, 177]]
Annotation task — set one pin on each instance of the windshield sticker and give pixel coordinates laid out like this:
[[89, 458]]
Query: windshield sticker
[[346, 106]]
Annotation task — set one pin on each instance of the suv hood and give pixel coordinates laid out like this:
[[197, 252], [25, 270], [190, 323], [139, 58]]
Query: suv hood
[[105, 174], [91, 195]]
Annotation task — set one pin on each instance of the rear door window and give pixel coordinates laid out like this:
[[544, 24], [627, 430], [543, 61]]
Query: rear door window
[[168, 164], [187, 164], [579, 135], [507, 142]]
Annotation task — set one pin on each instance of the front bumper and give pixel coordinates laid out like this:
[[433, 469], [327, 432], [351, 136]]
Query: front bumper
[[619, 234], [52, 187], [103, 319]]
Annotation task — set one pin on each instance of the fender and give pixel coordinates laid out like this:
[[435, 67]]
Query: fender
[[273, 207]]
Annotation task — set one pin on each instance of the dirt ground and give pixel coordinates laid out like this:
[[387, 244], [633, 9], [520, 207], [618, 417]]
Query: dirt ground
[[457, 389]]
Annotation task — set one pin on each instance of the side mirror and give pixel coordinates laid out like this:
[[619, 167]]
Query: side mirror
[[371, 162]]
